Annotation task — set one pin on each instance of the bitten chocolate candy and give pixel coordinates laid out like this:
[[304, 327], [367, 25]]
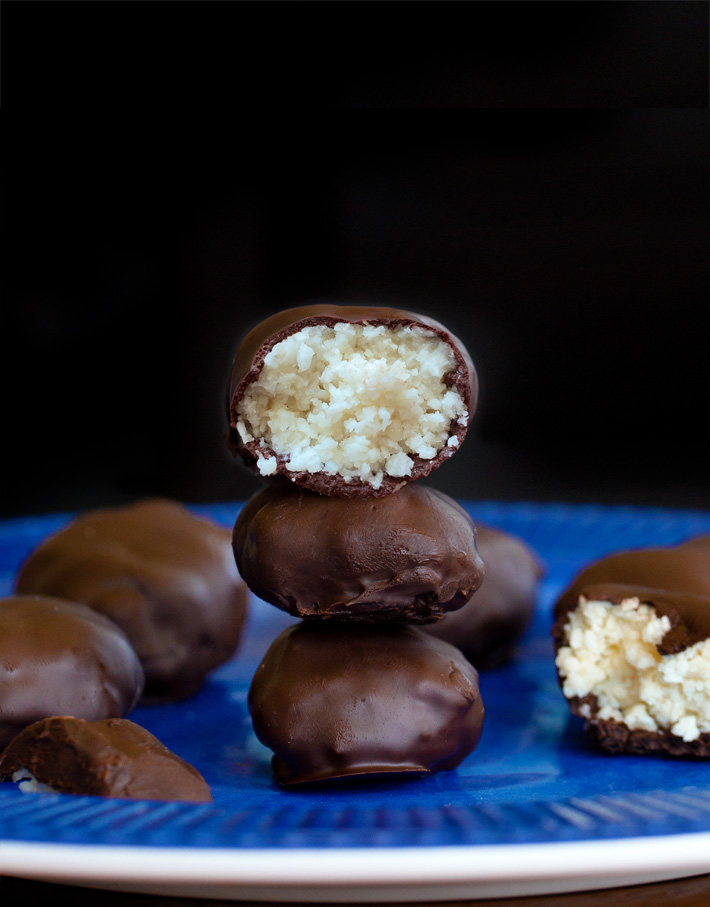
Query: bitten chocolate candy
[[632, 639], [340, 700], [60, 657], [410, 555], [682, 568], [487, 628], [352, 401], [110, 758], [166, 577]]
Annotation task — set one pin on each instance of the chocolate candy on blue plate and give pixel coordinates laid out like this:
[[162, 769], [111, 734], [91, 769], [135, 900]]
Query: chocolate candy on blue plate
[[61, 658], [162, 574], [109, 758], [410, 555], [632, 640], [352, 401], [338, 700], [489, 626]]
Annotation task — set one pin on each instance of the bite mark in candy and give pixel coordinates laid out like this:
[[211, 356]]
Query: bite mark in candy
[[632, 640], [349, 401]]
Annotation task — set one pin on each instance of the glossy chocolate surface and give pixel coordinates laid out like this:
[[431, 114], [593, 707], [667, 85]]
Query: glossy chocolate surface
[[338, 700], [260, 340], [110, 758], [61, 658], [487, 628], [410, 555], [166, 577], [676, 580]]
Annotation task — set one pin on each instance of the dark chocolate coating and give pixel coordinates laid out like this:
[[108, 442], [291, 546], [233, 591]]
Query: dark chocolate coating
[[61, 658], [675, 581], [487, 628], [166, 577], [410, 555], [258, 343], [615, 738], [340, 700], [109, 758]]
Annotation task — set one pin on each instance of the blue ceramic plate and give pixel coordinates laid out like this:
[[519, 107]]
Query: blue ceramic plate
[[535, 809]]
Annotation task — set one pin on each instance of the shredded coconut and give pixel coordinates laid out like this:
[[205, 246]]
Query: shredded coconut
[[361, 401], [28, 784], [611, 653]]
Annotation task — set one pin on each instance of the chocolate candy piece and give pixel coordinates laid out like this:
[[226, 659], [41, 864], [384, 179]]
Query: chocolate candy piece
[[109, 758], [166, 577], [632, 639], [60, 657], [681, 568], [339, 700], [487, 628], [353, 401], [410, 555]]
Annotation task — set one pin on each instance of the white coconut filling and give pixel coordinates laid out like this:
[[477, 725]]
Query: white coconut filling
[[28, 784], [356, 400], [611, 653]]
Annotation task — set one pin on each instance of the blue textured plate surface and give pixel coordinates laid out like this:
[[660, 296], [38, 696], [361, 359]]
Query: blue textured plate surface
[[533, 780]]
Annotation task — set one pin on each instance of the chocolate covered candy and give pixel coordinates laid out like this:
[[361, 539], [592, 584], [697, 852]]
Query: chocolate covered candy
[[682, 568], [488, 626], [61, 658], [409, 555], [166, 577], [632, 639], [353, 401], [109, 758], [338, 700]]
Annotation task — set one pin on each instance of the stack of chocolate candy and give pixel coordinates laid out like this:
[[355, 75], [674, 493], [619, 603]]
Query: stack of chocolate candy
[[341, 408]]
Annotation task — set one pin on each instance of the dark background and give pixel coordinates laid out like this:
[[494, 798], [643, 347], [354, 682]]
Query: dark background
[[567, 247]]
